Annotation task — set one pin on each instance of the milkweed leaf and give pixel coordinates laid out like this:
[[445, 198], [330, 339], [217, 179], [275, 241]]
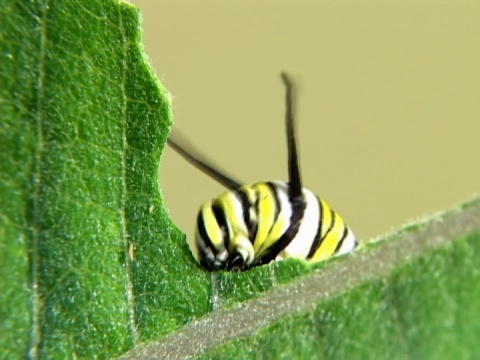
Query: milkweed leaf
[[88, 252], [410, 295]]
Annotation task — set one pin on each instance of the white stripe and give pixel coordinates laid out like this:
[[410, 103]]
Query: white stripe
[[236, 222], [300, 246], [284, 203], [348, 243]]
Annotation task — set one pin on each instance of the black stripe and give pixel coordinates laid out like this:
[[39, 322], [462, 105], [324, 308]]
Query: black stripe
[[342, 239], [207, 243], [334, 215], [246, 206], [298, 210], [254, 229], [319, 243], [316, 240], [274, 191], [219, 214]]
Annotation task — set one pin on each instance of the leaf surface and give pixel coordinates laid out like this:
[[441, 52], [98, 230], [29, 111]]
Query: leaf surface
[[90, 260]]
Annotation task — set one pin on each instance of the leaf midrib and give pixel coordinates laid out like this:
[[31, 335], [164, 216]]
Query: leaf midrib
[[129, 293], [37, 182]]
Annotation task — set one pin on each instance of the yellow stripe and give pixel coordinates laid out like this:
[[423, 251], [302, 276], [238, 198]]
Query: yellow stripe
[[211, 226], [250, 192], [326, 218], [228, 202], [330, 242], [266, 213], [252, 199], [277, 231]]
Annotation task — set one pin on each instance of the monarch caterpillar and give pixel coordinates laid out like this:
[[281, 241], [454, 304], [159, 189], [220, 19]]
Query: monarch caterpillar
[[251, 225]]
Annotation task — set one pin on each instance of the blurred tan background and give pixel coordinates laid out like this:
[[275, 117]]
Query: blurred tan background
[[388, 113]]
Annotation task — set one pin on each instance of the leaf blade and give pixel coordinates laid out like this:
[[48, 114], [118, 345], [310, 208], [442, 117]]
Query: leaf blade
[[83, 223], [347, 308]]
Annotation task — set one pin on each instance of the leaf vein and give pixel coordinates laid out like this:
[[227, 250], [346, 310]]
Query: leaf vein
[[34, 254], [129, 293]]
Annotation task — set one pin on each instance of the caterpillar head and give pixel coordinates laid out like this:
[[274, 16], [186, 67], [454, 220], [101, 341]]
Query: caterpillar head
[[217, 249]]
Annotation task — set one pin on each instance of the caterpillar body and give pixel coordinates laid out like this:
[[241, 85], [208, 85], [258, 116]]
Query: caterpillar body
[[251, 225]]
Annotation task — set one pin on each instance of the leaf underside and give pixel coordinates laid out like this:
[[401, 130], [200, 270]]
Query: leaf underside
[[92, 266]]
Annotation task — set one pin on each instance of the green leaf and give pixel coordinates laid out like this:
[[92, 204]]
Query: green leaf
[[411, 295], [91, 265], [90, 261]]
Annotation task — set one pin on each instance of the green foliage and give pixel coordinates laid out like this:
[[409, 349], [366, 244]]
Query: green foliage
[[425, 309], [91, 265], [83, 121], [411, 295]]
